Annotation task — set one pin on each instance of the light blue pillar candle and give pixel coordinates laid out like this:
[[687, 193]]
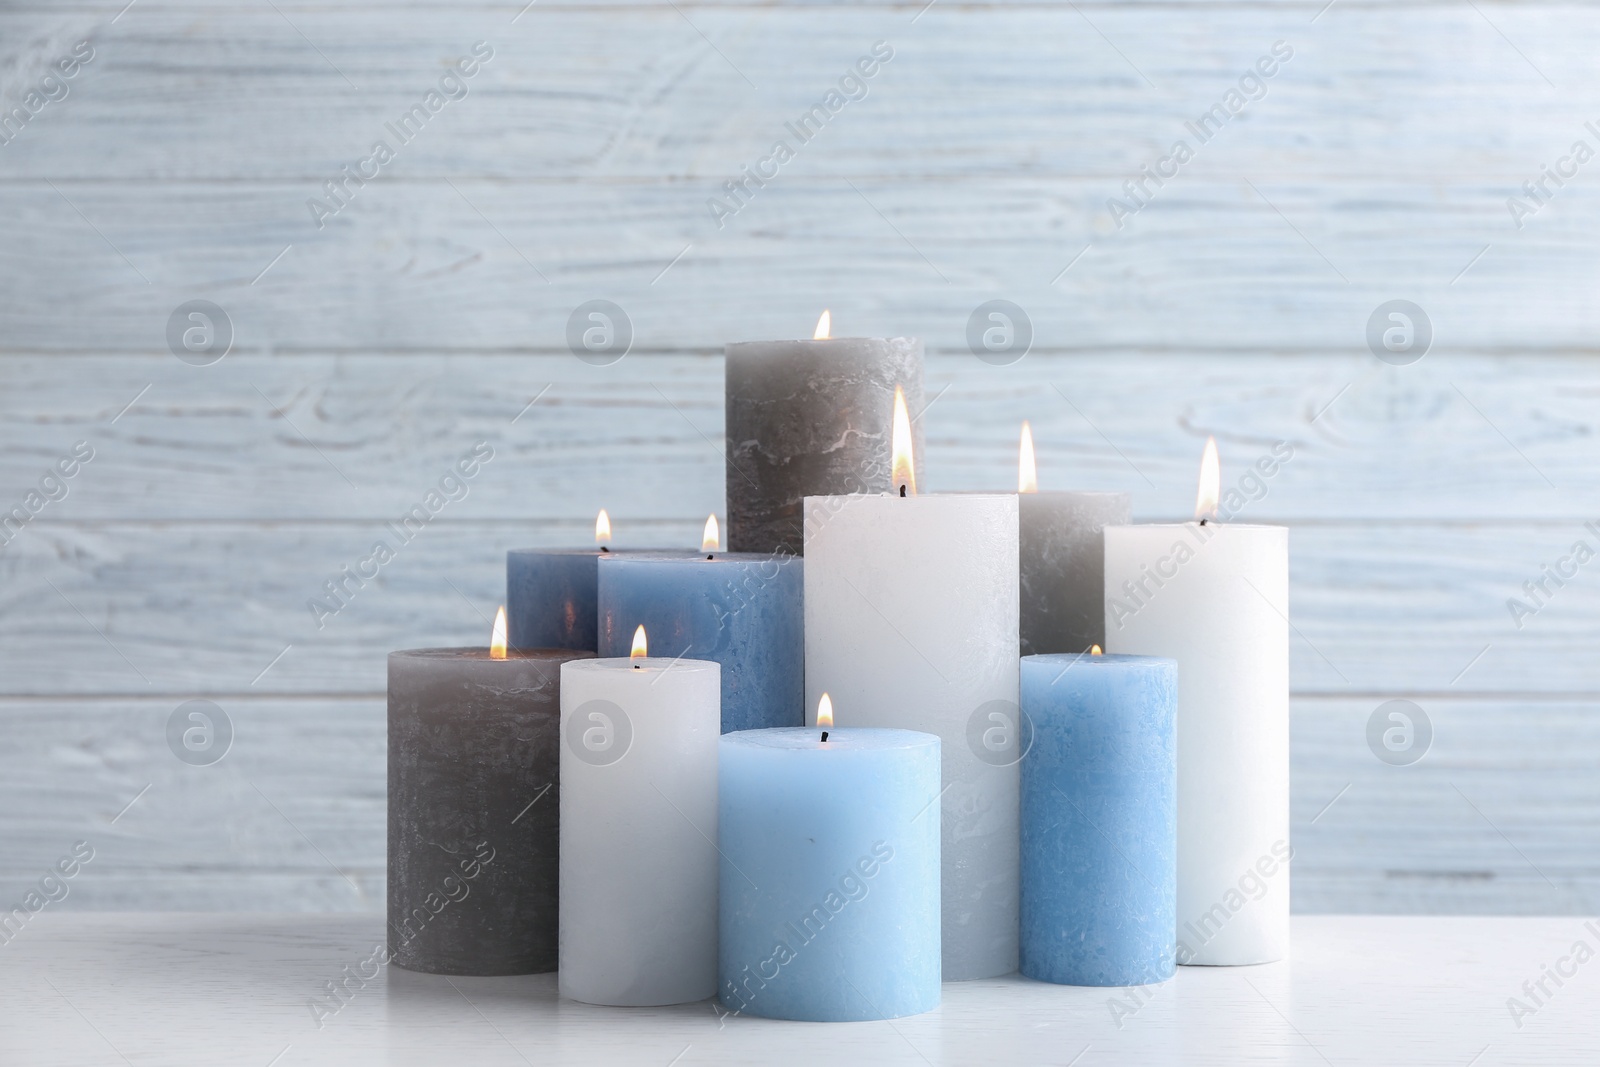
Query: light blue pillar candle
[[1099, 819], [829, 891], [742, 610]]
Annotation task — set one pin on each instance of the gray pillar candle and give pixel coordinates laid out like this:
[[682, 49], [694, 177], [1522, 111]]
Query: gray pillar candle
[[474, 816], [1062, 560], [811, 418]]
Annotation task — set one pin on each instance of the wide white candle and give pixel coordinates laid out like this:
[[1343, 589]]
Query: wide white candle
[[1215, 597], [638, 903], [911, 623]]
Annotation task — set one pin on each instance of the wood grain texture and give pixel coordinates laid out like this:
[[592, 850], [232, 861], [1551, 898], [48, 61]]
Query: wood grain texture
[[422, 318], [292, 817], [503, 263], [1459, 437], [693, 91], [1497, 817], [586, 157]]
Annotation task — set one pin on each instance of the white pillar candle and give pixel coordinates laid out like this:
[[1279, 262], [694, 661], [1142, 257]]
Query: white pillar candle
[[911, 621], [638, 903], [1215, 597]]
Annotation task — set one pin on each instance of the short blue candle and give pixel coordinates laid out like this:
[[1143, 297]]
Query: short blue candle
[[1099, 819], [829, 892], [742, 610], [552, 596]]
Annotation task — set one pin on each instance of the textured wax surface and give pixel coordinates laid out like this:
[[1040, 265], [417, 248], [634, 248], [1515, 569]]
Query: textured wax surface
[[911, 622], [1099, 820], [743, 611], [1063, 566], [639, 830], [811, 418], [829, 889], [472, 866], [840, 739], [1222, 611], [552, 595], [550, 598]]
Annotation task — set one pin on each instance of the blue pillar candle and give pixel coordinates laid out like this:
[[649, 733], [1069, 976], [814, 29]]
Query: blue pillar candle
[[1099, 819], [552, 593], [742, 610], [829, 891], [550, 597]]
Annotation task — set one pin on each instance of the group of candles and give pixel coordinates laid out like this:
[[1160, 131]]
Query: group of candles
[[641, 782]]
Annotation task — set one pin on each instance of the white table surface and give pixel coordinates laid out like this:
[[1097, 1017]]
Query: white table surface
[[214, 989]]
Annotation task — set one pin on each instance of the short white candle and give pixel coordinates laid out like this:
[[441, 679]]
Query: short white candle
[[638, 903], [911, 621], [1215, 597]]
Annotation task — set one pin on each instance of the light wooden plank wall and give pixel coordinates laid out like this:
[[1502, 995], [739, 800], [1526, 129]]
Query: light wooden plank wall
[[426, 315]]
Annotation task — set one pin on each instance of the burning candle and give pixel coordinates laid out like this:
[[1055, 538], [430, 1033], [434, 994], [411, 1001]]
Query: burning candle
[[1099, 830], [740, 609], [830, 872], [1062, 560], [1215, 598], [638, 826], [911, 617], [552, 593], [809, 418], [474, 808]]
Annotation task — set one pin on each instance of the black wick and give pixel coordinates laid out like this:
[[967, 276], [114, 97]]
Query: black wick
[[824, 735], [902, 490]]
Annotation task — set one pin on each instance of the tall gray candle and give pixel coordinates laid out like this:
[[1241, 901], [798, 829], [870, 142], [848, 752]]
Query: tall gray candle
[[811, 418], [474, 815], [1062, 560]]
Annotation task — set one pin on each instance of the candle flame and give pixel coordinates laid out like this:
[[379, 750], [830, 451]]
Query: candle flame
[[711, 540], [1027, 470], [825, 712], [497, 641], [1205, 504], [1094, 650], [824, 328], [641, 648], [902, 470], [602, 528]]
